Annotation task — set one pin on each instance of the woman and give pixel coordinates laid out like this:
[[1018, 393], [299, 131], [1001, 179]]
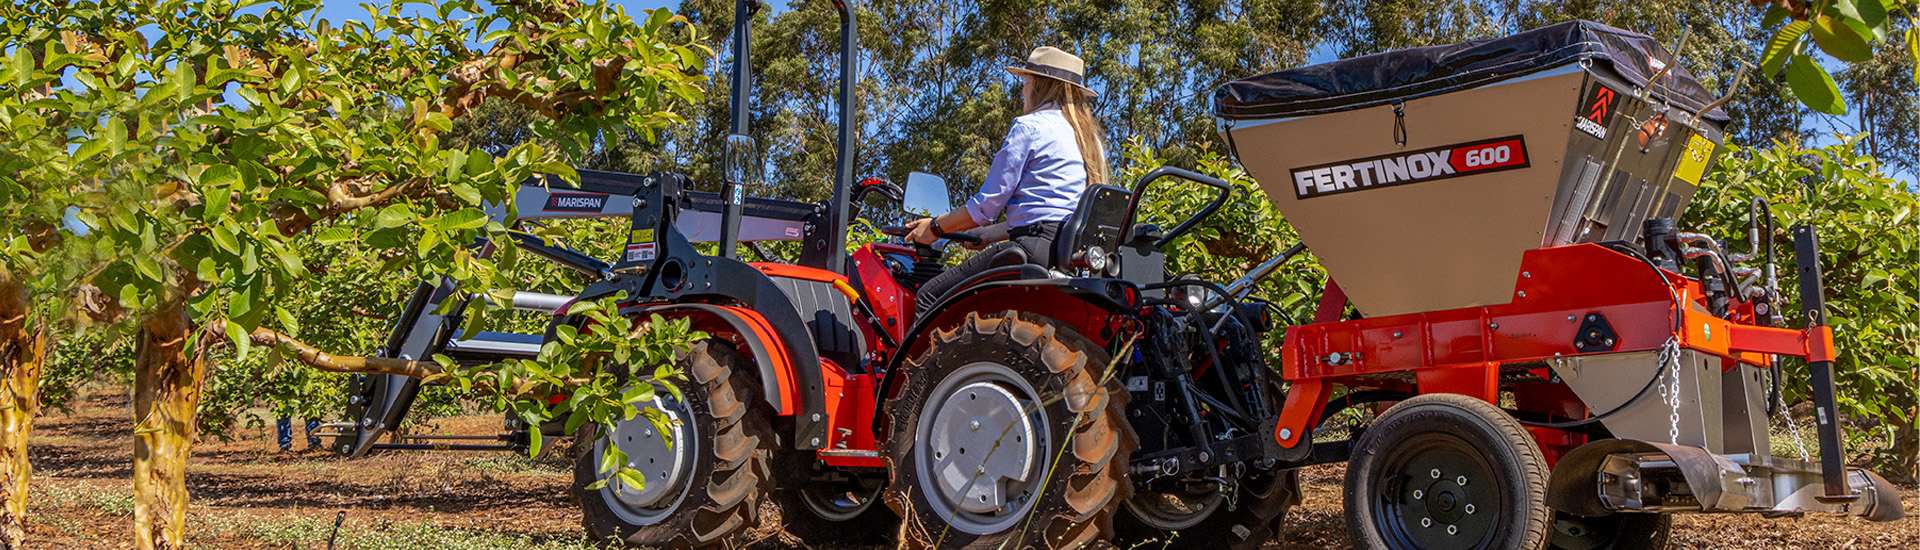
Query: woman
[[1050, 156]]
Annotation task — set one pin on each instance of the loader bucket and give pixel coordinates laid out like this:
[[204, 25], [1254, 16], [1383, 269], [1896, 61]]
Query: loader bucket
[[1418, 177]]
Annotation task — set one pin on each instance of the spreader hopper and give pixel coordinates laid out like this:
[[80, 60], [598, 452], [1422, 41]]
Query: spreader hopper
[[1419, 177]]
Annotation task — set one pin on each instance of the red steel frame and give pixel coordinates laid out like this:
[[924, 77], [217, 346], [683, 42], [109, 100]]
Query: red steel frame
[[1462, 350]]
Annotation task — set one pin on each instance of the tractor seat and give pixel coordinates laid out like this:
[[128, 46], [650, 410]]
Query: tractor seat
[[1096, 222]]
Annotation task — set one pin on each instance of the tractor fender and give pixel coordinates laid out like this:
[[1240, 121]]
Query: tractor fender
[[1082, 302], [768, 352]]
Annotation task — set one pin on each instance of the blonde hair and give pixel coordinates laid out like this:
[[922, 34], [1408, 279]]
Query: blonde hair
[[1087, 132]]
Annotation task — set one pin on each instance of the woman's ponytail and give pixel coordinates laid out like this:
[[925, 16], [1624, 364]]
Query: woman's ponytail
[[1078, 111]]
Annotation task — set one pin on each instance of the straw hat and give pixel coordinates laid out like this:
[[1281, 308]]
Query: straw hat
[[1051, 62]]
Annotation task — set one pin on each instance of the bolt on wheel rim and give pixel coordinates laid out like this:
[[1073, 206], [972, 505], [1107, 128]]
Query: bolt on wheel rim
[[980, 449], [1423, 502], [664, 458]]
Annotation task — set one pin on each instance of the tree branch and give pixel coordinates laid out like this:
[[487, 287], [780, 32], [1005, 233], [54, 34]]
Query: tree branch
[[487, 383]]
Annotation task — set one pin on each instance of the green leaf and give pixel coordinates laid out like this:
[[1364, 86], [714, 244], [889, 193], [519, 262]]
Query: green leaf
[[1873, 15], [1775, 14], [216, 188], [394, 216], [288, 260], [1840, 40], [89, 149], [238, 336], [225, 238], [437, 121], [476, 320], [1814, 87], [656, 19], [466, 218], [495, 36], [1780, 47], [144, 263], [1913, 51], [630, 476], [333, 235]]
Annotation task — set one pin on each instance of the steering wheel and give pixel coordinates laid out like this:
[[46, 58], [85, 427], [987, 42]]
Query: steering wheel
[[951, 236]]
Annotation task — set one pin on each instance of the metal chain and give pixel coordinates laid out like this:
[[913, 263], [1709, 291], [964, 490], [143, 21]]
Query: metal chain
[[1780, 401], [1670, 359]]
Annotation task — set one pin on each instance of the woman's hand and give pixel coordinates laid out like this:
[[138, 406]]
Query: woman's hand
[[921, 231]]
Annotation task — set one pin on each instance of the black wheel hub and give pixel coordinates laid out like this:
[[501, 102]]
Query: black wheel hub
[[1442, 494]]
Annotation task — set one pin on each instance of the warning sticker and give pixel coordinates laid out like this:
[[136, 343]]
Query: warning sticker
[[1438, 163], [641, 235], [1693, 161], [640, 252]]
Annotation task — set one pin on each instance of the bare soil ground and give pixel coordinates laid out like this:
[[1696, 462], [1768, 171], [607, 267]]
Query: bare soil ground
[[246, 495]]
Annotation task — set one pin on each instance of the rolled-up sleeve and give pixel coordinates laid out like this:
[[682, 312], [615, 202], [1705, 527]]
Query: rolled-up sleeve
[[1003, 178]]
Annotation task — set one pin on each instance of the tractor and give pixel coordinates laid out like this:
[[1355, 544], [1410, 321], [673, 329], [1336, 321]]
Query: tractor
[[1512, 319]]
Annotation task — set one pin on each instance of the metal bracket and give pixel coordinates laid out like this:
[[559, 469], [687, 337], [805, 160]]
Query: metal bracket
[[1595, 334]]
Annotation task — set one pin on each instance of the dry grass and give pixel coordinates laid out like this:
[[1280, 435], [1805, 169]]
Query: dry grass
[[248, 497]]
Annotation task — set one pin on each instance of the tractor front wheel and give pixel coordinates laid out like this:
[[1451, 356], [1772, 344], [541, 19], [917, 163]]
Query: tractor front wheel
[[1442, 471], [706, 475], [1008, 433]]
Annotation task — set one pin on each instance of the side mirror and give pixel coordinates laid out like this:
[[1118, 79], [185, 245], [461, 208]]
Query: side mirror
[[741, 168], [927, 195]]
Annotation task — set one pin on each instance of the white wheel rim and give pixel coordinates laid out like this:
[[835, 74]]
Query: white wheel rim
[[977, 486], [666, 468]]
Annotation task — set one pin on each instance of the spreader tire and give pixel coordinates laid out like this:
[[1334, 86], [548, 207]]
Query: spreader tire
[[1443, 471], [1035, 394], [723, 475]]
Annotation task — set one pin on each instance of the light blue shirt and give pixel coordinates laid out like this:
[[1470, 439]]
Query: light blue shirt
[[1037, 176]]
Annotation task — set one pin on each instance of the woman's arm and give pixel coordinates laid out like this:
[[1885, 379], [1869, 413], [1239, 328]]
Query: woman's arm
[[959, 220], [1003, 178]]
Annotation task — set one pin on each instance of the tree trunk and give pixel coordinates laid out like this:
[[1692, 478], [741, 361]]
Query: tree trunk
[[166, 396], [21, 355], [1906, 450]]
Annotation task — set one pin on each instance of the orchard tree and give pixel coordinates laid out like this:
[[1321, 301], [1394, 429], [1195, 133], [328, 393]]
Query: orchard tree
[[1843, 29], [159, 158], [1868, 253]]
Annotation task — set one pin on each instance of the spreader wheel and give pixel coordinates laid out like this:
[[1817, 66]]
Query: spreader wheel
[[1615, 532], [1007, 433], [705, 477], [1444, 471]]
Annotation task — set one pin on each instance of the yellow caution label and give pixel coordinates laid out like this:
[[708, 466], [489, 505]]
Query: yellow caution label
[[1693, 161], [641, 236]]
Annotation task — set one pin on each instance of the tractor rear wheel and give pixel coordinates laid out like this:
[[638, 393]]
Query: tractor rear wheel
[[1008, 433], [1443, 471], [705, 477]]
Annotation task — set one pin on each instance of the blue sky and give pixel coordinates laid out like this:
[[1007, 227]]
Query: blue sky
[[342, 10]]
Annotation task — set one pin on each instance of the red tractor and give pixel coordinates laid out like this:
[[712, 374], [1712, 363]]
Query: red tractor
[[1574, 404]]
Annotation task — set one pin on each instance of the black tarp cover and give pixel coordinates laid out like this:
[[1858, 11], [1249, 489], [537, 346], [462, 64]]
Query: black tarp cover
[[1382, 78]]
